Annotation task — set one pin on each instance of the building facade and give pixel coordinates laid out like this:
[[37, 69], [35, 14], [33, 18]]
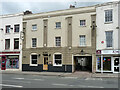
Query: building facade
[[108, 38], [60, 41], [10, 41]]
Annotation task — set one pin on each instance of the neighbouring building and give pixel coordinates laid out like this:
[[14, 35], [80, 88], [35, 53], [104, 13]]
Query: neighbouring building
[[11, 41], [60, 41], [108, 37]]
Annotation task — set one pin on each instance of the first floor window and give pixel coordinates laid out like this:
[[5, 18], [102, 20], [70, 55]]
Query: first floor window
[[7, 43], [58, 41], [82, 40], [33, 59], [57, 59], [108, 15], [109, 38], [34, 42], [16, 43]]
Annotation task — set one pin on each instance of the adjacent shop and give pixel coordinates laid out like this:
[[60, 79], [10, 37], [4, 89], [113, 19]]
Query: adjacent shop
[[108, 61]]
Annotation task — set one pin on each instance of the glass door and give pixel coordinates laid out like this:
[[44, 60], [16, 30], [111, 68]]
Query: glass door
[[116, 64], [45, 63]]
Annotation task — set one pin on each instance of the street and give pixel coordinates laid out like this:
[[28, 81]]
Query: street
[[37, 81]]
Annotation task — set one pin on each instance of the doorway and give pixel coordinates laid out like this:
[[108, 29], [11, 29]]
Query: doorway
[[45, 63], [83, 63], [116, 64]]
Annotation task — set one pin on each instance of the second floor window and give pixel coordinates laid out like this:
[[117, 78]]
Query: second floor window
[[82, 40], [58, 41], [108, 15], [82, 22], [109, 38], [16, 43], [34, 27], [16, 28], [34, 42], [7, 43], [8, 29], [58, 24]]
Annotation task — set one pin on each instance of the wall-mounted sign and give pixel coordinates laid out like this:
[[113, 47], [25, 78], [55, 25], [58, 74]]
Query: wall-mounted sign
[[102, 42], [110, 51]]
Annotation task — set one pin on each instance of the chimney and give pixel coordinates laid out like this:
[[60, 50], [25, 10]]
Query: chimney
[[72, 6], [27, 12]]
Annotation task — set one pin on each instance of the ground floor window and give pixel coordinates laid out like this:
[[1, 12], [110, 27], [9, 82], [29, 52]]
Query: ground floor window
[[57, 59], [106, 63], [12, 62], [33, 59]]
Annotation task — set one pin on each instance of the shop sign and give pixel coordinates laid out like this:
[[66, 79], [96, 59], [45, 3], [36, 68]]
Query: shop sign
[[110, 51]]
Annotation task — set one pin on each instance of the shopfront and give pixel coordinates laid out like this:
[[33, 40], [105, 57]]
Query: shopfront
[[108, 61]]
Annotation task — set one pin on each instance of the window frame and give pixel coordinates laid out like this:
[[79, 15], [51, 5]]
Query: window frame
[[107, 19], [18, 43], [32, 43], [81, 45], [108, 39], [81, 24], [56, 42], [58, 25], [18, 25], [31, 59], [5, 45], [54, 59], [7, 29], [34, 29]]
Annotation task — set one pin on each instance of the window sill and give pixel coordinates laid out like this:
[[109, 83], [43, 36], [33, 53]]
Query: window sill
[[57, 65], [33, 47], [109, 48], [82, 46], [34, 30], [16, 32], [83, 26], [7, 33], [33, 64], [108, 22], [58, 28]]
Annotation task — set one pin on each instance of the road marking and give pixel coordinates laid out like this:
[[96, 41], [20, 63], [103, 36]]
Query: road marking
[[19, 78], [11, 85], [93, 79], [60, 84], [69, 77], [16, 81]]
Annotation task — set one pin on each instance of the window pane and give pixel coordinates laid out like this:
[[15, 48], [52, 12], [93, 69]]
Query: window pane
[[8, 29], [34, 42], [58, 59], [82, 22], [82, 40], [108, 15], [58, 24], [34, 59], [7, 44], [16, 43], [58, 56], [58, 41], [109, 38], [34, 27], [106, 63], [16, 27]]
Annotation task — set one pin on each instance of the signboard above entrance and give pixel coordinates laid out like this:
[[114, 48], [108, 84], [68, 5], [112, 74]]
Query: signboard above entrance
[[110, 51]]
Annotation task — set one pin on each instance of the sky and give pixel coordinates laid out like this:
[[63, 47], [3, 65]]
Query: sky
[[37, 6]]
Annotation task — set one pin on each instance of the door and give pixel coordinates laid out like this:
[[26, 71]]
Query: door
[[116, 64], [45, 63], [3, 63]]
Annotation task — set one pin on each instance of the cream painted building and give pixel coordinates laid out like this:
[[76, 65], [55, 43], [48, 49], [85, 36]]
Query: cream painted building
[[60, 41]]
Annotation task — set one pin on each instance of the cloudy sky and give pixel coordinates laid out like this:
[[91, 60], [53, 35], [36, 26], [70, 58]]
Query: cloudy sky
[[37, 6]]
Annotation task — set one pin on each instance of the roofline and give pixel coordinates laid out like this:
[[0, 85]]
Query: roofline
[[108, 3], [11, 15]]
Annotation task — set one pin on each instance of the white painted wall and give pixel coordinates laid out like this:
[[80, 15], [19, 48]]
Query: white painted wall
[[11, 20], [102, 27]]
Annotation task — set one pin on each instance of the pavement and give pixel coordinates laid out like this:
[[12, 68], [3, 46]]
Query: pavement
[[64, 74]]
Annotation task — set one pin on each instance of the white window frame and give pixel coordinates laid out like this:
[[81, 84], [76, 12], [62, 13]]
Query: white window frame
[[106, 39], [57, 41], [32, 42], [108, 17], [31, 59], [58, 24], [54, 59], [81, 24], [34, 27], [81, 45]]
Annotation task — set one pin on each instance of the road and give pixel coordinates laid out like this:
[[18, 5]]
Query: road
[[37, 81]]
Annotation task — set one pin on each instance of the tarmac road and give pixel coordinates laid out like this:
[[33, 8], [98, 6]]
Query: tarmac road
[[38, 81]]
